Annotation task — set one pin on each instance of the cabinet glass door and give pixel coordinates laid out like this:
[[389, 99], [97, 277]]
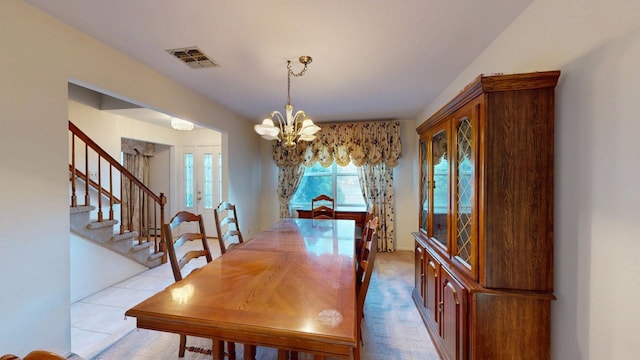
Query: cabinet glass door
[[424, 186], [464, 232], [439, 173]]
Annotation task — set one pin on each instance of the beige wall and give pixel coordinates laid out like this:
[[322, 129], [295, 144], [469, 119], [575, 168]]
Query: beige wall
[[596, 45], [34, 250]]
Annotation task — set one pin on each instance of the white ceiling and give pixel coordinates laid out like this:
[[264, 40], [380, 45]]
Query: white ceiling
[[372, 59]]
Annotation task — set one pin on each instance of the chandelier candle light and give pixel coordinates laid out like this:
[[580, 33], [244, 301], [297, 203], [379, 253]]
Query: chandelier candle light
[[291, 128]]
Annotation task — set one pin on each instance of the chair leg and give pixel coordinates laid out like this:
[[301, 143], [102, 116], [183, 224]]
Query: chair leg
[[283, 354], [231, 350], [218, 350], [183, 344], [249, 352]]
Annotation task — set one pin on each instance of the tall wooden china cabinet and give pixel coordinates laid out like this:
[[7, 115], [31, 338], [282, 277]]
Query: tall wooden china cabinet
[[484, 250]]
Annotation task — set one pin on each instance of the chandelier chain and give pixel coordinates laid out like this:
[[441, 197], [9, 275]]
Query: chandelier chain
[[292, 127], [289, 73]]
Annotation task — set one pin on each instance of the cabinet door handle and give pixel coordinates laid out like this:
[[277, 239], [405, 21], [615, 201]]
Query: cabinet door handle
[[440, 306]]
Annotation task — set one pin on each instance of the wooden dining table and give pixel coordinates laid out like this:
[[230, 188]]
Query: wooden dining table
[[290, 287]]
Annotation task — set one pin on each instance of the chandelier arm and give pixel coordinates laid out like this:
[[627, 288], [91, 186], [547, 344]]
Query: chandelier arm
[[277, 116], [297, 120]]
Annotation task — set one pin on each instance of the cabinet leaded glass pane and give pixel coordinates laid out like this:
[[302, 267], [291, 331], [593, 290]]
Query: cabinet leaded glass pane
[[464, 191], [424, 181], [440, 171]]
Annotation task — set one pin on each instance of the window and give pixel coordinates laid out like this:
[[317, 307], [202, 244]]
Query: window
[[339, 182]]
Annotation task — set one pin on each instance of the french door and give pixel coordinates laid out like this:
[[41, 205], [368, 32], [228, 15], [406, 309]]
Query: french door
[[201, 183]]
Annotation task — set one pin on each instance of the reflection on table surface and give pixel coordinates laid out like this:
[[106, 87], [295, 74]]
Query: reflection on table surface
[[306, 235]]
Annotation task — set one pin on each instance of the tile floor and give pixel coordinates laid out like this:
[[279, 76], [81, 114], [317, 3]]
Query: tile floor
[[392, 328], [98, 321]]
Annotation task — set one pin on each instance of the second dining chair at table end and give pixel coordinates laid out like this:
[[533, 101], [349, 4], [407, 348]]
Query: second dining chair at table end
[[177, 266], [370, 227], [323, 207], [363, 278], [229, 234]]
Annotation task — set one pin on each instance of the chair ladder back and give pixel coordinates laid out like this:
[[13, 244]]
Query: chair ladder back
[[325, 209], [370, 228], [364, 274], [227, 226], [178, 264]]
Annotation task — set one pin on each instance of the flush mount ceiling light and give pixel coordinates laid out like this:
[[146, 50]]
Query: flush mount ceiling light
[[182, 125], [291, 127]]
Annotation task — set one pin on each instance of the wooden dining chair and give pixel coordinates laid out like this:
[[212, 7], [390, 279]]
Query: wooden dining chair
[[229, 234], [177, 265], [370, 227], [322, 207], [363, 279], [35, 355], [367, 216]]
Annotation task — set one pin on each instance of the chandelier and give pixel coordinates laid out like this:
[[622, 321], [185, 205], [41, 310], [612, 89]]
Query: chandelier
[[291, 127]]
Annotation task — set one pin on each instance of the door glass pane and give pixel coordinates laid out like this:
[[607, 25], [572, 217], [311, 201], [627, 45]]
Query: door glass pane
[[219, 176], [188, 180], [207, 180], [440, 171], [464, 191]]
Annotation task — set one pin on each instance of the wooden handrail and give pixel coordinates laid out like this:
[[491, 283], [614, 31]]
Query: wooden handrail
[[103, 154], [79, 174], [143, 201]]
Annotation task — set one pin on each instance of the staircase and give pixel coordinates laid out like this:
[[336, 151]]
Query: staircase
[[132, 228], [103, 234]]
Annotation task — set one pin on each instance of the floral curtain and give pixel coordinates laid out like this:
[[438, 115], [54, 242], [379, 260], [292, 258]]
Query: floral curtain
[[134, 205], [376, 182], [371, 142], [373, 146], [289, 177]]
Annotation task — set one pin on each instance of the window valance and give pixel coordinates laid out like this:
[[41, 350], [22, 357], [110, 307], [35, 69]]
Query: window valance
[[135, 147], [371, 142]]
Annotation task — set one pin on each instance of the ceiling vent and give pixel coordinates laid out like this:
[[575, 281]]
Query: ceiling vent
[[193, 57]]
